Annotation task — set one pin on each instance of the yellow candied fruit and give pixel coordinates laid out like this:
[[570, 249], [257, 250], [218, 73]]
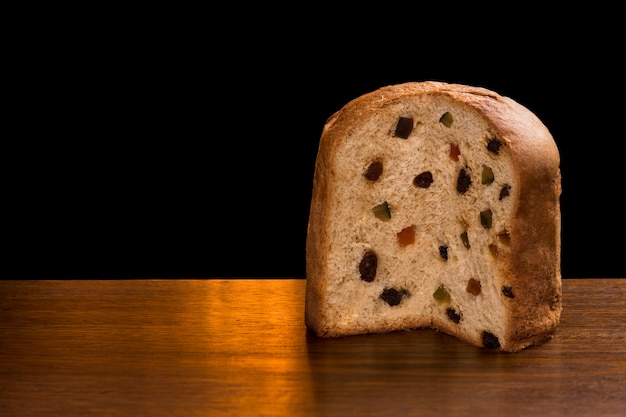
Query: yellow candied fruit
[[446, 119], [382, 211], [441, 294], [487, 175]]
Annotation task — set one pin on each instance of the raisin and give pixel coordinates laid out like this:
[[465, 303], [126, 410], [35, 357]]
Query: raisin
[[443, 252], [423, 180], [465, 240], [505, 191], [453, 315], [392, 296], [494, 145], [374, 171], [507, 290], [463, 181], [406, 236], [473, 286], [404, 127], [493, 249], [487, 175], [486, 218], [490, 341], [441, 294], [454, 152], [368, 266], [382, 211], [446, 119]]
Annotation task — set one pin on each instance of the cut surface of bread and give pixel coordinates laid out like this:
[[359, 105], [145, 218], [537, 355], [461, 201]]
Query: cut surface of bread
[[436, 205]]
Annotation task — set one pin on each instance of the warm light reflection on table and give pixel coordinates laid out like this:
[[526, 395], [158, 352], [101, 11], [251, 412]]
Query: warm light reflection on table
[[260, 348]]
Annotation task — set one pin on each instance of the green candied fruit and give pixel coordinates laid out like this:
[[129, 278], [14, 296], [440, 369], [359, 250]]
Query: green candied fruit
[[441, 294], [382, 211], [446, 119], [486, 218], [487, 175], [465, 240]]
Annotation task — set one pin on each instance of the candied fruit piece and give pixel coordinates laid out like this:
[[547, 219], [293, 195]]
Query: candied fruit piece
[[443, 252], [446, 119], [465, 239], [486, 218], [423, 180], [454, 152], [490, 341], [382, 211], [441, 294], [374, 171], [404, 127], [473, 286], [463, 181], [453, 315], [392, 296], [487, 175], [494, 145], [406, 236], [505, 191], [368, 266], [507, 290]]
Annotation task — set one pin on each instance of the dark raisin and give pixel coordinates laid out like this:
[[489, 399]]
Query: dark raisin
[[494, 145], [404, 127], [490, 341], [505, 191], [392, 296], [486, 218], [453, 315], [423, 180], [443, 252], [368, 266], [465, 240], [374, 171], [473, 286], [463, 182], [507, 290]]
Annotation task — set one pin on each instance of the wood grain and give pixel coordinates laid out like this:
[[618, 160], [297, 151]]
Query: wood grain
[[213, 347]]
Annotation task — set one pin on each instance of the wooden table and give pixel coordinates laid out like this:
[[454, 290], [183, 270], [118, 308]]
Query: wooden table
[[213, 347]]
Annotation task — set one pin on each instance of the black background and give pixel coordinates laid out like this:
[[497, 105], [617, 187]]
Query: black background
[[158, 145]]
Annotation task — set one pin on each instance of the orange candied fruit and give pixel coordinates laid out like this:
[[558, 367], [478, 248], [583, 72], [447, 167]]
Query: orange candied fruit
[[406, 236], [473, 286], [454, 152]]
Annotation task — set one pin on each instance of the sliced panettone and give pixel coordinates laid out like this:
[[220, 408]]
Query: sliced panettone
[[436, 205]]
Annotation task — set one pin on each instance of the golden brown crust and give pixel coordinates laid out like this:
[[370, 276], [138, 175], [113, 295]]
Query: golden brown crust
[[534, 259]]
